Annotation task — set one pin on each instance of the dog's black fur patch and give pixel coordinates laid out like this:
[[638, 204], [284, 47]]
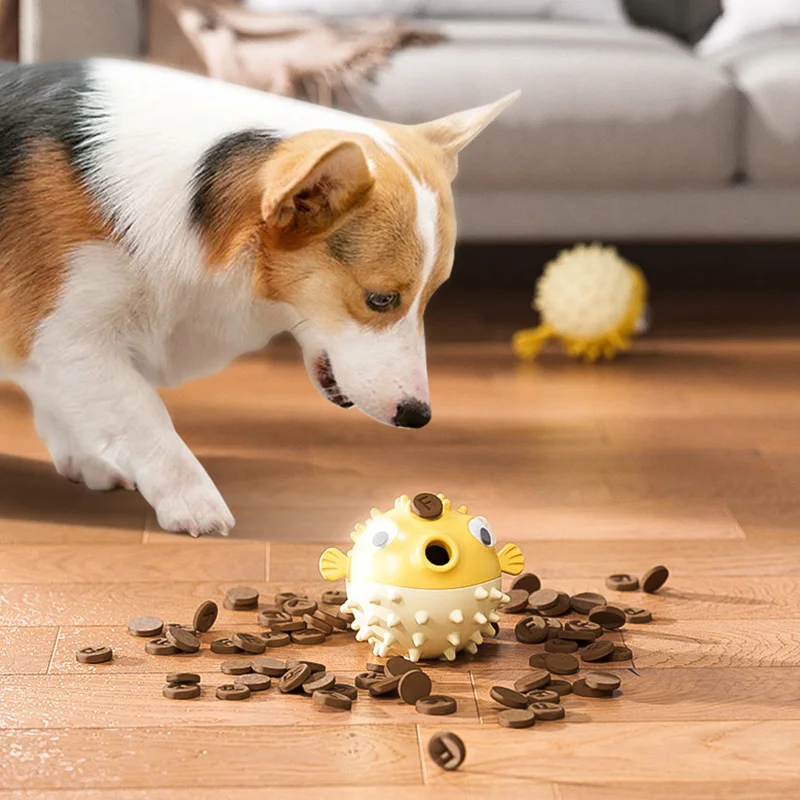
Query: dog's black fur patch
[[341, 246], [44, 101], [241, 144]]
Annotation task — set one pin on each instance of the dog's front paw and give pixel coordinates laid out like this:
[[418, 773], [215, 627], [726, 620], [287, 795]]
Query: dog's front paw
[[196, 510]]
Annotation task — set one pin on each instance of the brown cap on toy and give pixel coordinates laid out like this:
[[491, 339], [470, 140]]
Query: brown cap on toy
[[427, 506]]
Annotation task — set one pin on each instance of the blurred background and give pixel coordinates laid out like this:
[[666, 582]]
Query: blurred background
[[669, 128]]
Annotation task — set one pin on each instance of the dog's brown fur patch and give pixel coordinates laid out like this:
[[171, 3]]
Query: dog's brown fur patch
[[45, 213]]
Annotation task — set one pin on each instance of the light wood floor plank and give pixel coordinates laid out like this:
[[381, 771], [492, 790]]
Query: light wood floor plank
[[629, 752], [207, 757], [26, 651], [690, 790], [671, 695], [108, 564], [135, 701]]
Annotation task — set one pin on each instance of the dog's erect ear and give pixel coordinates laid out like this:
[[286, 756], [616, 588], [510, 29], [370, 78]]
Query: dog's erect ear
[[311, 185], [452, 134]]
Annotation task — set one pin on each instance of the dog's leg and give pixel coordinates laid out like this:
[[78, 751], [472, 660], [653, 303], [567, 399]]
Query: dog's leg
[[112, 427]]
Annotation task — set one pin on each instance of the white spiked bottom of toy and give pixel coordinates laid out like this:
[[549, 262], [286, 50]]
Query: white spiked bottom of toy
[[423, 623]]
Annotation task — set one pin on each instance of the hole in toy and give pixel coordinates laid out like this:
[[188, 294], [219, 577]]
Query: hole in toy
[[437, 553]]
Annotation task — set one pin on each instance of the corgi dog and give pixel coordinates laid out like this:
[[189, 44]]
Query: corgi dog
[[155, 225]]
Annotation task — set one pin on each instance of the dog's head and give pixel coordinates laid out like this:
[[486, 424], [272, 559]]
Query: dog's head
[[357, 233]]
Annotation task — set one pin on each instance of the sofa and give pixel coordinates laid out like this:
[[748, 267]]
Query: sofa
[[622, 132]]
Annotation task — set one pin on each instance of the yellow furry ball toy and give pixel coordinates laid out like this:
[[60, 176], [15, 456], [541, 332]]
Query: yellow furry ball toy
[[590, 298]]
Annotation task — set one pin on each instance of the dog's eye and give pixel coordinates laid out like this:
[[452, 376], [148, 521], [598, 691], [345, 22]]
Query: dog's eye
[[482, 531], [383, 301]]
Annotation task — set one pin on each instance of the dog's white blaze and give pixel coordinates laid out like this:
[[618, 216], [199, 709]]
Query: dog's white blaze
[[427, 215]]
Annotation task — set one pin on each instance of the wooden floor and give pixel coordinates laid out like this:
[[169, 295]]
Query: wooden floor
[[686, 453]]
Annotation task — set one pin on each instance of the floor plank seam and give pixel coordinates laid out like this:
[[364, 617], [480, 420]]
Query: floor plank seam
[[423, 766], [54, 651]]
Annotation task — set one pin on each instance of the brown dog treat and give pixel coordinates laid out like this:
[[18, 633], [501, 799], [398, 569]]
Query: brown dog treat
[[273, 667], [269, 616], [205, 616], [543, 599], [235, 667], [537, 660], [582, 690], [584, 602], [597, 651], [427, 506], [185, 642], [562, 663], [437, 705], [554, 628], [447, 750], [413, 686], [531, 630], [293, 679], [224, 647], [281, 597], [346, 689], [276, 639], [610, 617], [518, 602], [146, 626], [547, 711], [334, 620], [161, 647], [602, 681], [334, 597], [560, 608], [319, 681], [242, 597], [330, 699], [637, 616], [313, 623], [528, 582], [314, 666], [655, 579], [94, 655], [584, 625], [384, 687], [561, 688], [188, 628], [622, 582], [560, 646], [366, 679], [621, 653], [397, 666], [232, 691], [289, 627], [249, 642], [543, 696], [308, 637], [183, 677], [574, 637], [508, 697], [181, 691], [537, 679], [375, 668], [298, 606], [516, 718], [254, 682]]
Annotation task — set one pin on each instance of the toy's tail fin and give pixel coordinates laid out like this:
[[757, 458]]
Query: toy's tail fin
[[528, 343]]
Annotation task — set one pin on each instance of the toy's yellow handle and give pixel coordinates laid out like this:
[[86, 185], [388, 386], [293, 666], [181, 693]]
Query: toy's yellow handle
[[528, 343]]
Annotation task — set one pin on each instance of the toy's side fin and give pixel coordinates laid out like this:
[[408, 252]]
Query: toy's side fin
[[512, 561], [333, 564]]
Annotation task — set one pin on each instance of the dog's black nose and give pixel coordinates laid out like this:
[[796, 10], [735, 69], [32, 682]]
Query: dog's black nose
[[412, 414]]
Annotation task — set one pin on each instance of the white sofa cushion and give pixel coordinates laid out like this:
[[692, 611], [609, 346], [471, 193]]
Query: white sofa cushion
[[601, 108], [767, 70], [743, 18]]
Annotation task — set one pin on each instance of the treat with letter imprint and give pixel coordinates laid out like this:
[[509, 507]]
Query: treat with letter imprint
[[161, 647], [308, 637], [447, 750], [293, 679], [236, 667], [254, 682], [622, 582], [427, 506], [384, 687], [298, 606], [531, 630], [250, 642], [94, 655], [319, 681], [637, 616], [598, 651], [331, 699], [185, 641], [334, 597], [276, 639], [181, 691], [232, 691], [205, 616], [547, 711], [273, 667], [582, 689], [242, 597]]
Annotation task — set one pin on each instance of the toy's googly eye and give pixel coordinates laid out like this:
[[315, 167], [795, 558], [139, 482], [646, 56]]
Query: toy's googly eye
[[380, 532], [482, 531]]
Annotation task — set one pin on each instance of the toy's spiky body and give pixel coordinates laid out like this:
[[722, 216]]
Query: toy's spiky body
[[423, 586], [590, 298]]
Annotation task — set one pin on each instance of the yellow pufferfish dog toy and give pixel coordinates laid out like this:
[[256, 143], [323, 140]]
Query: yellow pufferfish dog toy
[[423, 580], [590, 298]]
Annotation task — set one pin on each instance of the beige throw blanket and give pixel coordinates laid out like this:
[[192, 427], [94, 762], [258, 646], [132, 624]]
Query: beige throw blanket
[[298, 56]]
